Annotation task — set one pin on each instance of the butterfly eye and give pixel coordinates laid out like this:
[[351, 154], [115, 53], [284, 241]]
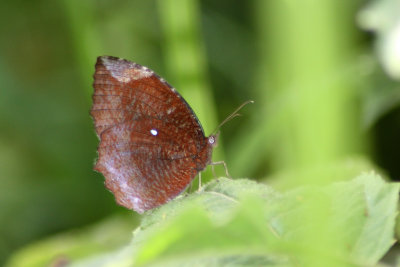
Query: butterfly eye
[[211, 140], [154, 132]]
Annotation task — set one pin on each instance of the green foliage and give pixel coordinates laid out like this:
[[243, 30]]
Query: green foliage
[[76, 244], [320, 98], [244, 223]]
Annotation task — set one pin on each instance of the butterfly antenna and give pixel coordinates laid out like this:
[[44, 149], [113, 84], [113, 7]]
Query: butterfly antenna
[[233, 114]]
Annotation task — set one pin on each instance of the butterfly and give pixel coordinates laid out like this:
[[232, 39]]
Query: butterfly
[[151, 143]]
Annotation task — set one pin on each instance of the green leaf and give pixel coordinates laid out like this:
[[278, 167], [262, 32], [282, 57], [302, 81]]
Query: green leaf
[[355, 223], [244, 223], [73, 246]]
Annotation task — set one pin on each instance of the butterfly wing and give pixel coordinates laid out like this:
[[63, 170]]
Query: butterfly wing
[[150, 139]]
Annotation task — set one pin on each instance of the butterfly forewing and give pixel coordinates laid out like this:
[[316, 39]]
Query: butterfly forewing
[[151, 142]]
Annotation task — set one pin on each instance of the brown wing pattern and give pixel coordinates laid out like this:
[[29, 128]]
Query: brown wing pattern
[[150, 139]]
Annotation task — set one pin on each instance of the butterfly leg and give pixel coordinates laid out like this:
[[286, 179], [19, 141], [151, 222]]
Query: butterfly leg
[[213, 170], [221, 163], [199, 182], [190, 188]]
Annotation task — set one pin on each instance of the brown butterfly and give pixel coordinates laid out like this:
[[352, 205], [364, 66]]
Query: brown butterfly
[[151, 143]]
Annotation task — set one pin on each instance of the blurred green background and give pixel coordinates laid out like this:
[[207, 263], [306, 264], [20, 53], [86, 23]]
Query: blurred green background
[[323, 75]]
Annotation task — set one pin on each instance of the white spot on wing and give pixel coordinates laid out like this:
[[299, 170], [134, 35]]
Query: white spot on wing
[[154, 132]]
